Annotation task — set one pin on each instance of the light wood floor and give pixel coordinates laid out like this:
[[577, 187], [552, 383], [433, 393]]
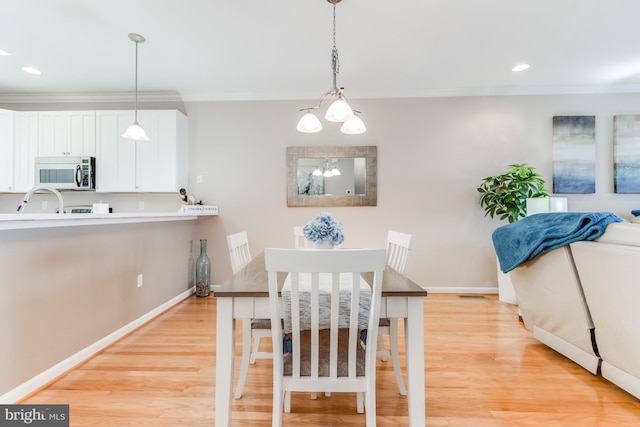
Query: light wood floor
[[483, 369]]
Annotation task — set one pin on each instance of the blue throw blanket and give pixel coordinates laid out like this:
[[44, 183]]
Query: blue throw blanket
[[534, 235]]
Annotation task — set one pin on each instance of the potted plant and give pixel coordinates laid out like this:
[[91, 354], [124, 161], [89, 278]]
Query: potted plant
[[505, 196]]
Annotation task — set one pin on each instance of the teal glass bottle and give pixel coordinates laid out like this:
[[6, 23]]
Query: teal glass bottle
[[203, 271]]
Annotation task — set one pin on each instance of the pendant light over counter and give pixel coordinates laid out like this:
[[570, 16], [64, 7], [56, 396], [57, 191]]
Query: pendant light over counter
[[339, 111], [135, 131]]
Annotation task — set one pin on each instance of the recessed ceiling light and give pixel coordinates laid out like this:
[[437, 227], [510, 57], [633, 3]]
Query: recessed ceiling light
[[520, 67], [31, 70], [3, 53]]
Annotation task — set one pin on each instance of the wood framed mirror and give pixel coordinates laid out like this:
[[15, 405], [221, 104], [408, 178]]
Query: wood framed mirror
[[332, 176]]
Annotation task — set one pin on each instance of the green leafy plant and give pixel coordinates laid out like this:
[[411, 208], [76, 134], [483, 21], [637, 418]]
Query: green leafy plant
[[505, 195]]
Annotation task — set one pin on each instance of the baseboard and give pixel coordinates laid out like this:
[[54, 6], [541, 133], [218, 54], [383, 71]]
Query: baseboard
[[460, 290], [55, 371]]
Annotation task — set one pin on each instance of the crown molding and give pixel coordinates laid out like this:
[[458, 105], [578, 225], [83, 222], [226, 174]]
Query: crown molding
[[39, 98], [172, 96]]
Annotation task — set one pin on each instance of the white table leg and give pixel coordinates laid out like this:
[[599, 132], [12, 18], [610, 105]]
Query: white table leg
[[414, 344], [225, 345]]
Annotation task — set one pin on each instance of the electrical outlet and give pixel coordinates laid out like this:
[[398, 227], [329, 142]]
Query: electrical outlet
[[198, 179], [44, 204], [140, 281], [141, 206]]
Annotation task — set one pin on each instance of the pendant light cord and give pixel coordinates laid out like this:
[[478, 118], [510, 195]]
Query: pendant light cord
[[335, 61], [136, 83]]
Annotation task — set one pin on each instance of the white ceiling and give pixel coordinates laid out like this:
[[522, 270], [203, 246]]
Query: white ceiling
[[280, 49]]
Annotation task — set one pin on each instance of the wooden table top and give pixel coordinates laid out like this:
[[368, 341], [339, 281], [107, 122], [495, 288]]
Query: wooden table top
[[252, 281]]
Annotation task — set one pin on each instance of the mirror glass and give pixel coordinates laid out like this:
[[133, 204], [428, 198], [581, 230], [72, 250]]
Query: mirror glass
[[332, 176]]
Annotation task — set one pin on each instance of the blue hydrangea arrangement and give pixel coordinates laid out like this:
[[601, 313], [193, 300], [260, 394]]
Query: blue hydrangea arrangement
[[324, 227]]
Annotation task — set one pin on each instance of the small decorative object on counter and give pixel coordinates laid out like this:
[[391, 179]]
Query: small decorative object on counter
[[187, 199], [324, 231], [203, 271]]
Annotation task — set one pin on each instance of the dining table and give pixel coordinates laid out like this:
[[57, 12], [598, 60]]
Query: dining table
[[246, 296]]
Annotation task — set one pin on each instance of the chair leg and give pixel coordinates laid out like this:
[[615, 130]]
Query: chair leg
[[287, 402], [370, 403], [276, 413], [360, 400], [395, 359], [381, 347], [256, 348], [246, 350]]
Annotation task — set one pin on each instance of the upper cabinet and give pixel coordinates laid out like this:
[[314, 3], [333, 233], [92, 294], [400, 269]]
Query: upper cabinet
[[6, 150], [67, 133], [122, 165], [157, 165], [18, 148], [25, 139]]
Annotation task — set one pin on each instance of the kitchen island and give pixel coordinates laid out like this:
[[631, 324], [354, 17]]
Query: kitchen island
[[71, 284]]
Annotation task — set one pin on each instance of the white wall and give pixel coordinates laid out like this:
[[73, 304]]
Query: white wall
[[432, 154]]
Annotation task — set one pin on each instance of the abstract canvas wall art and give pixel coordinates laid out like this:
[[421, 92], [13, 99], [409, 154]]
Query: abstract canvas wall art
[[574, 154], [626, 153]]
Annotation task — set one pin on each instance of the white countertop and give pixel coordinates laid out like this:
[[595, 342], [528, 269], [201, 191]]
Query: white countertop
[[22, 221]]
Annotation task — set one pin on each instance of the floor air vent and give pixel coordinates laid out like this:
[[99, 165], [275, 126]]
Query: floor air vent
[[472, 296]]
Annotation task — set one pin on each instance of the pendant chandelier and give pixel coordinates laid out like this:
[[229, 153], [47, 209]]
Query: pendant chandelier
[[339, 111], [135, 131]]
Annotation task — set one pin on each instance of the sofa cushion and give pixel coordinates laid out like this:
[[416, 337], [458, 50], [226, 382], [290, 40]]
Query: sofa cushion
[[621, 233]]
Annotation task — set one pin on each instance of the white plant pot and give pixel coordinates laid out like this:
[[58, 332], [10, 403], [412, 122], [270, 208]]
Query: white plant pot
[[324, 244], [506, 293]]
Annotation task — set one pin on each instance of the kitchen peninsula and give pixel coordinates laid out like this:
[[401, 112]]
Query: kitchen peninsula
[[22, 221], [71, 284]]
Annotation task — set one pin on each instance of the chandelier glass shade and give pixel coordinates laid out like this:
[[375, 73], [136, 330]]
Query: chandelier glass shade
[[339, 111], [353, 126], [309, 123]]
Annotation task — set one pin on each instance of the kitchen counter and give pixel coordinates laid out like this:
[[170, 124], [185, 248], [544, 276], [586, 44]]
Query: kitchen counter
[[24, 221]]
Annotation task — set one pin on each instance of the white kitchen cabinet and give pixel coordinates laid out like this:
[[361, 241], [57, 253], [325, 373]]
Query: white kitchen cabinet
[[67, 133], [6, 151], [25, 150], [115, 155], [157, 165]]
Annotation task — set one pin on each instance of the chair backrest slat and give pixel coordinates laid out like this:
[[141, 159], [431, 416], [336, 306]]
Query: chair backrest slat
[[239, 252], [315, 325], [353, 326], [398, 247], [298, 238]]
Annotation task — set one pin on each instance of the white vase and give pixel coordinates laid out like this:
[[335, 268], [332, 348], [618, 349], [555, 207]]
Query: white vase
[[323, 244]]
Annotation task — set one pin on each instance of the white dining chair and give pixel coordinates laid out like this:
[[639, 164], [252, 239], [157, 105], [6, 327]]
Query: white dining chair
[[316, 363], [398, 248], [298, 238], [252, 329]]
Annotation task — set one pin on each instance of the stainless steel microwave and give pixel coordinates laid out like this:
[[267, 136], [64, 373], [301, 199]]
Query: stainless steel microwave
[[66, 172]]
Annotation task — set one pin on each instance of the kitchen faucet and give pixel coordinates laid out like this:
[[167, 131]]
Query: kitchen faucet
[[41, 188]]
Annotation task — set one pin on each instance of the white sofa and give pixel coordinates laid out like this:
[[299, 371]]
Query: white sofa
[[609, 270], [583, 300], [552, 306]]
